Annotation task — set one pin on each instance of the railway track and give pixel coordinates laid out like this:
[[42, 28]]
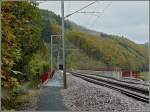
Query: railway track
[[143, 87], [132, 91], [130, 82]]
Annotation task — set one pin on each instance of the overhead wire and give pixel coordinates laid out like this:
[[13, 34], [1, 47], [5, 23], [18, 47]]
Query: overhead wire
[[97, 15], [80, 9], [88, 24], [102, 12], [86, 13], [88, 18]]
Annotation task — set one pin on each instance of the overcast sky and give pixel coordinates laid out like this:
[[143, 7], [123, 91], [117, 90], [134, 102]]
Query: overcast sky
[[124, 18]]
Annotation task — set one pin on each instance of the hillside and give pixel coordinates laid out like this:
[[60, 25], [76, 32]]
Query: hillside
[[97, 49]]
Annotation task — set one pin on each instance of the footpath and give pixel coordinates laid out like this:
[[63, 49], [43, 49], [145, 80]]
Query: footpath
[[51, 99]]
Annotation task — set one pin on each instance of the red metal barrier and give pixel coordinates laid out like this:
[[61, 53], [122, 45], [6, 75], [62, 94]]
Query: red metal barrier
[[125, 74], [134, 74], [44, 77]]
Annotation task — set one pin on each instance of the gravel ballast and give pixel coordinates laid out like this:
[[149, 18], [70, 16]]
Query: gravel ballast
[[84, 96]]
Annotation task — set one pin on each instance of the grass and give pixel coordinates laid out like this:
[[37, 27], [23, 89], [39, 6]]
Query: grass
[[21, 98], [27, 101]]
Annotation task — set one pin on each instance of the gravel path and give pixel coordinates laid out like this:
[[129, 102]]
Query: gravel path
[[51, 99], [84, 96]]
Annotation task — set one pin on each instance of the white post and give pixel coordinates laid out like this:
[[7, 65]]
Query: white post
[[130, 74], [58, 59], [51, 52]]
